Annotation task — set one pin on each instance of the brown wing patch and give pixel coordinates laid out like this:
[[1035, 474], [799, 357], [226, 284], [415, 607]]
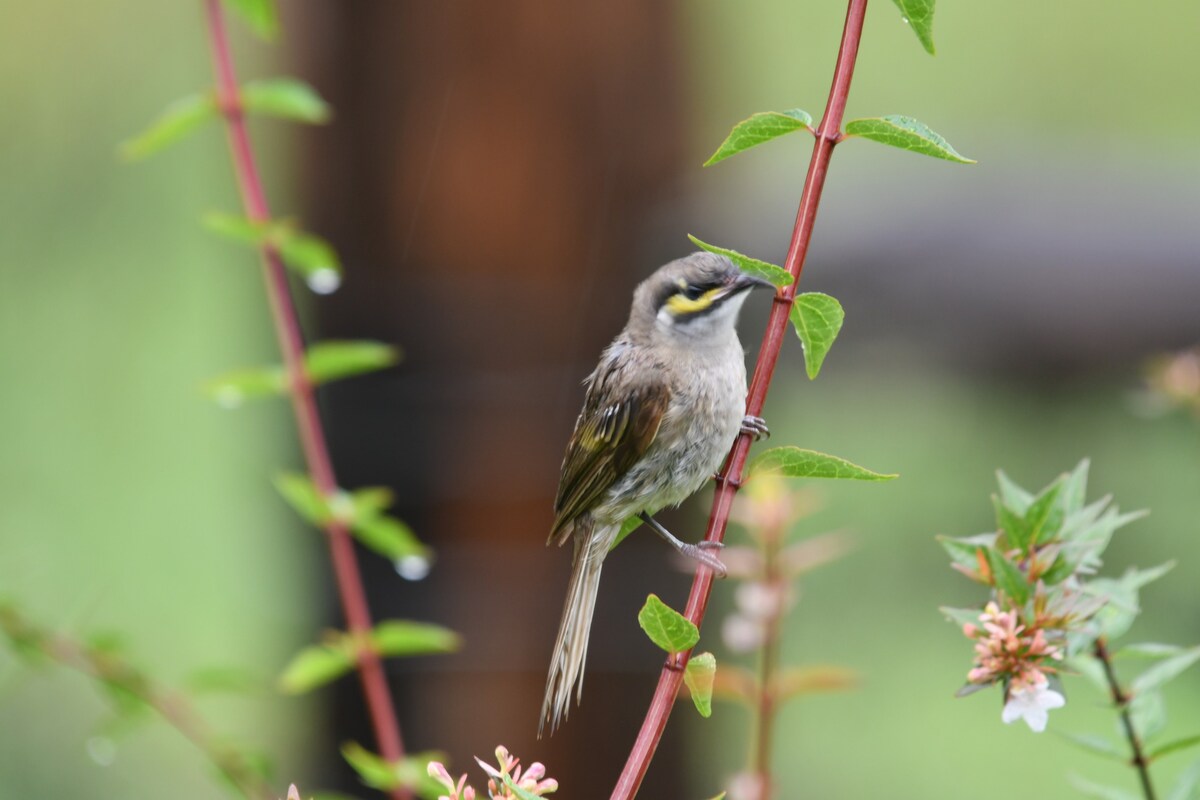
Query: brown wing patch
[[608, 440]]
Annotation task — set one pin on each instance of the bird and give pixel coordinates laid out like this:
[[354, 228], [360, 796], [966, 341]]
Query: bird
[[661, 409]]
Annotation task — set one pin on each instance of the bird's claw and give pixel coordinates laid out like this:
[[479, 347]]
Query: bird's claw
[[756, 427], [701, 553]]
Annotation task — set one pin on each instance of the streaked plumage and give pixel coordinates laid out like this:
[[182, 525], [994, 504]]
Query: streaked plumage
[[661, 410]]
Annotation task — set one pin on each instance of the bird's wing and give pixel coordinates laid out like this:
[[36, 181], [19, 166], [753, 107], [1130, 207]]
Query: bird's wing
[[609, 438]]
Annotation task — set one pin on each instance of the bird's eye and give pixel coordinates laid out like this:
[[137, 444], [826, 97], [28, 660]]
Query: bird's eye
[[693, 292]]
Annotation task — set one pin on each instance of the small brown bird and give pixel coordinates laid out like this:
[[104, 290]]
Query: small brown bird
[[662, 409]]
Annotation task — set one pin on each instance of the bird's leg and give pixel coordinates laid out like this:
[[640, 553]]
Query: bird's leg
[[756, 427], [697, 552]]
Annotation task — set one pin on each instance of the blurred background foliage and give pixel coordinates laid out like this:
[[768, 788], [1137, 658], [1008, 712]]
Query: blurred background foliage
[[997, 316]]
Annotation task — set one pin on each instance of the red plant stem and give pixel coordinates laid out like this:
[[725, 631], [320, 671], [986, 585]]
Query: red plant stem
[[308, 422], [827, 134], [1121, 699]]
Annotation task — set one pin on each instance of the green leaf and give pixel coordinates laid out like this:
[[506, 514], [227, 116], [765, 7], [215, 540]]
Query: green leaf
[[1009, 578], [1099, 790], [176, 121], [1097, 744], [777, 276], [761, 127], [1187, 785], [318, 665], [286, 98], [905, 133], [1015, 529], [260, 15], [919, 15], [965, 550], [666, 627], [394, 638], [629, 526], [1174, 746], [314, 259], [234, 388], [514, 790], [373, 770], [302, 495], [1149, 714], [1075, 487], [699, 675], [1165, 670], [335, 359], [1012, 495], [1147, 650], [817, 319], [1090, 668], [390, 538], [238, 228], [794, 462], [1045, 515]]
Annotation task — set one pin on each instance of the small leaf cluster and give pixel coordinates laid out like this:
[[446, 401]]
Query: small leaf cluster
[[1041, 559], [1042, 562], [674, 634]]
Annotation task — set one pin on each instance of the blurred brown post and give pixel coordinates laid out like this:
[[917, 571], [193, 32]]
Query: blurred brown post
[[488, 181]]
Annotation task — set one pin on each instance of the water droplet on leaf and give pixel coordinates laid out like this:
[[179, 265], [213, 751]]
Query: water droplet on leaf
[[324, 281], [102, 750], [412, 568]]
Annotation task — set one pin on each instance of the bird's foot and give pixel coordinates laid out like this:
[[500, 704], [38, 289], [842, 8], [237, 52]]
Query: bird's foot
[[702, 553], [756, 427]]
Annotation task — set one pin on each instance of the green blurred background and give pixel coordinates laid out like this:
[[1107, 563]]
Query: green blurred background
[[997, 316]]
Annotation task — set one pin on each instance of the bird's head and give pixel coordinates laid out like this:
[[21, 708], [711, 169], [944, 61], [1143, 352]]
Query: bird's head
[[693, 300]]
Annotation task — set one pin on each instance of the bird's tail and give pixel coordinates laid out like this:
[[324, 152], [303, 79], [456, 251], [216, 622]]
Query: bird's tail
[[570, 648]]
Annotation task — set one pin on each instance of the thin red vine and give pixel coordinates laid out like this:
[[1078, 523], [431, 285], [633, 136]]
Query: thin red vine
[[827, 134], [308, 422]]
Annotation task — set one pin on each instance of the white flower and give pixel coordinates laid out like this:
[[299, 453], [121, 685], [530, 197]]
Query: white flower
[[1032, 703]]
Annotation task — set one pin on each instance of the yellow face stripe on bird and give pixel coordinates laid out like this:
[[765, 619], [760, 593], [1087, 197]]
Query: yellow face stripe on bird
[[680, 304]]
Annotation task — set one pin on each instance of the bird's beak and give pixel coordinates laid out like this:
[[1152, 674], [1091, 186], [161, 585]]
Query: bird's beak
[[746, 281]]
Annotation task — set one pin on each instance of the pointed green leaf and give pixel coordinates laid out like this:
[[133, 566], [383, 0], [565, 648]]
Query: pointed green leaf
[[919, 15], [286, 98], [335, 359], [260, 15], [238, 228], [176, 121], [375, 771], [1074, 490], [666, 627], [905, 133], [1100, 790], [777, 276], [314, 259], [1165, 670], [1174, 746], [629, 526], [817, 319], [1147, 650], [1045, 515], [699, 676], [302, 495], [514, 791], [234, 388], [396, 638], [390, 538], [964, 550], [1009, 578], [318, 665], [1187, 785], [1097, 744], [1012, 495], [1015, 529], [794, 462], [759, 128]]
